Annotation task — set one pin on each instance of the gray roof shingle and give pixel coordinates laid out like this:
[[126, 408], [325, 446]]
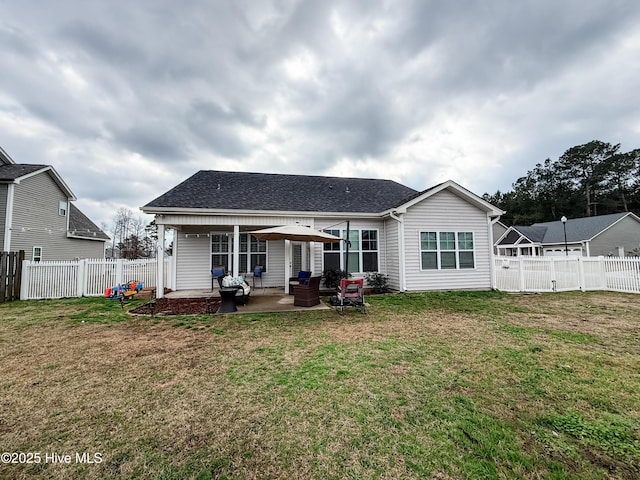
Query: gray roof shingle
[[11, 172], [578, 229], [81, 226], [212, 189]]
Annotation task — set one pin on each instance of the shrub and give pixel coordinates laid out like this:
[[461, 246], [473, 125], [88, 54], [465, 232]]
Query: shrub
[[379, 282], [332, 277]]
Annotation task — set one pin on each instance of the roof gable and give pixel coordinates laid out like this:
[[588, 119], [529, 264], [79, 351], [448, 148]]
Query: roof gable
[[16, 172], [220, 190], [456, 189], [5, 159]]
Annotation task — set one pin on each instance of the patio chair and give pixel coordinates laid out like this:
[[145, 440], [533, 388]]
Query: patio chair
[[257, 273], [217, 273], [299, 280], [351, 294], [307, 294]]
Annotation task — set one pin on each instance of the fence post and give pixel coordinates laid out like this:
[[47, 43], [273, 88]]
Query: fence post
[[521, 271], [119, 270], [581, 273], [26, 273], [603, 274], [554, 278], [80, 278]]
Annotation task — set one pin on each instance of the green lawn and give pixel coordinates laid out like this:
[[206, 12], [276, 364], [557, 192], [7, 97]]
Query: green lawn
[[436, 385]]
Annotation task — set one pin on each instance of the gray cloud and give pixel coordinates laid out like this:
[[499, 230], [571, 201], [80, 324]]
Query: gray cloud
[[477, 91]]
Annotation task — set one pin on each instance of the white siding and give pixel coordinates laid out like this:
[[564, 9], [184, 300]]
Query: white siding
[[446, 211], [193, 262], [392, 257]]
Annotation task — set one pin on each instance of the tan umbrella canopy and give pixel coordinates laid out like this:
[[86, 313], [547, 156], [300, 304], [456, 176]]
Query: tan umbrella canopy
[[297, 233]]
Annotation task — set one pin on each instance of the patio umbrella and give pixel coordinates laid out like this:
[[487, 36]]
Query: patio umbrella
[[298, 233]]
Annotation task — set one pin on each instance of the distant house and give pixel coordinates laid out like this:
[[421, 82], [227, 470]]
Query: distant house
[[37, 215], [436, 239], [617, 235]]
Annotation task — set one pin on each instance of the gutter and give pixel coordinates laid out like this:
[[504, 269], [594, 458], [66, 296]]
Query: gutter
[[401, 250]]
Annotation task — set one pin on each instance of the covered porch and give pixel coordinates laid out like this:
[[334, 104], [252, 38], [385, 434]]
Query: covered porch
[[197, 248]]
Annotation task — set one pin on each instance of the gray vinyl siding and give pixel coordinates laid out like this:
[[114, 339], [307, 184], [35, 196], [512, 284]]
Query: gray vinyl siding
[[625, 233], [446, 211], [3, 213], [36, 222]]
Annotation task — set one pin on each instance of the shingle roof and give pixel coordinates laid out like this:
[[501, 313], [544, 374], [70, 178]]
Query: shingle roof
[[81, 226], [578, 229], [11, 172], [211, 189], [533, 233]]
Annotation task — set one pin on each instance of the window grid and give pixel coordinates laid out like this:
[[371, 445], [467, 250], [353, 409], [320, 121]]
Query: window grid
[[446, 250]]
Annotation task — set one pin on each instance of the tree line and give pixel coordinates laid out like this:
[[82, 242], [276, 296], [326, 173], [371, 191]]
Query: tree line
[[591, 179], [131, 237]]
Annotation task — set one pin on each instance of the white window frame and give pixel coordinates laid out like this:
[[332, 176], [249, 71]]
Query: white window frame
[[343, 249], [34, 257], [250, 252], [229, 252], [438, 251], [63, 208]]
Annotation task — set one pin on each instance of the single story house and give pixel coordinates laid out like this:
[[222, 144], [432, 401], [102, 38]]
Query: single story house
[[37, 215], [438, 238], [617, 234]]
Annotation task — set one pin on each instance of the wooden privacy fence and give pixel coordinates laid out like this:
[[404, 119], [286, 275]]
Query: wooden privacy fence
[[10, 275], [555, 274], [86, 277]]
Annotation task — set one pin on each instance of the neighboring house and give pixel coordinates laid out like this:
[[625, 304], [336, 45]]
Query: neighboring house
[[37, 216], [616, 235], [499, 229], [436, 239]]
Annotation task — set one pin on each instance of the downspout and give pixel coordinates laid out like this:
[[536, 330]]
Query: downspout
[[492, 271], [8, 217], [401, 250]]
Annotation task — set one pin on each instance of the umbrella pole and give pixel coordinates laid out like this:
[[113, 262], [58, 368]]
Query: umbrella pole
[[346, 254]]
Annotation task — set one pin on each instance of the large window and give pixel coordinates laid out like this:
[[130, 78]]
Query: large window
[[221, 251], [363, 251], [252, 252], [446, 250]]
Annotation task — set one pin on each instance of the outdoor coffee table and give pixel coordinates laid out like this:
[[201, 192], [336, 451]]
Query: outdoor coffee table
[[228, 296]]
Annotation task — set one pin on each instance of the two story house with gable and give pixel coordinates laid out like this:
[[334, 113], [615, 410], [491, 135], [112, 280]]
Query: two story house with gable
[[37, 215]]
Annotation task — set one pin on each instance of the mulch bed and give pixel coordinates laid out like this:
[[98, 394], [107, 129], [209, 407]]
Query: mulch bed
[[179, 306]]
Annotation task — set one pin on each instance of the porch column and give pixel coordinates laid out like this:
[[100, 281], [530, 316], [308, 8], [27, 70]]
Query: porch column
[[287, 264], [160, 263], [236, 250], [312, 251]]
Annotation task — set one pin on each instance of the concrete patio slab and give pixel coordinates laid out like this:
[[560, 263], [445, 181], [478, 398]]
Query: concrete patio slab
[[265, 300]]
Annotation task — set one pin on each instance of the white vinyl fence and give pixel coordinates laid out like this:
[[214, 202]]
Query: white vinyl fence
[[86, 277], [556, 274]]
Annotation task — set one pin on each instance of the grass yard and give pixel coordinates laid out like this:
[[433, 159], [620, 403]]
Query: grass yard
[[437, 385]]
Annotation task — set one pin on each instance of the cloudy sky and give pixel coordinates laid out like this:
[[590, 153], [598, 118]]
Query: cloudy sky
[[128, 98]]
